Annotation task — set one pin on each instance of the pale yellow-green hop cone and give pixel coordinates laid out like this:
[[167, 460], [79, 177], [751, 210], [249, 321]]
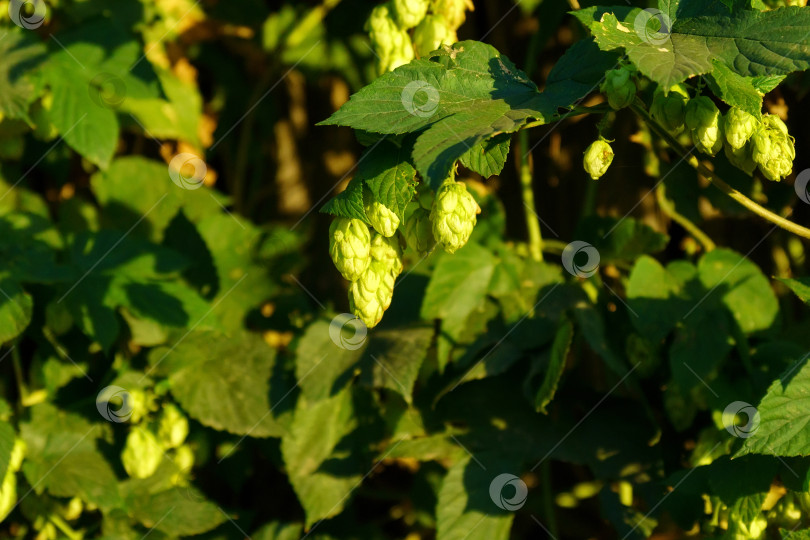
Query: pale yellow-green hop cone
[[597, 158], [418, 229], [741, 158], [669, 109], [391, 43], [431, 34], [773, 149], [739, 127], [409, 13], [453, 11], [703, 119], [453, 216], [381, 218], [172, 427], [370, 295], [142, 453], [619, 87], [350, 247]]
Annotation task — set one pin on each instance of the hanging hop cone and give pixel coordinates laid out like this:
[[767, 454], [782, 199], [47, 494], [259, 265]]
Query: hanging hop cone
[[773, 149], [432, 33], [703, 119], [418, 229], [597, 158], [453, 216], [350, 247], [668, 109], [410, 12], [370, 295], [381, 218], [619, 87], [453, 11], [391, 43], [142, 453], [739, 127]]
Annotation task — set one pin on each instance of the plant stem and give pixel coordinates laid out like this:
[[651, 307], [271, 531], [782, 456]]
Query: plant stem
[[18, 373], [717, 181], [669, 209], [548, 503], [532, 220]]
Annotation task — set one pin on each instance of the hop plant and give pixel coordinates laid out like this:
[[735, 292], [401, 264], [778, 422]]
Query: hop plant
[[418, 229], [703, 119], [741, 158], [142, 453], [391, 43], [739, 127], [382, 219], [669, 108], [370, 295], [453, 11], [410, 12], [597, 158], [773, 149], [173, 427], [432, 33], [453, 216], [619, 87], [350, 247]]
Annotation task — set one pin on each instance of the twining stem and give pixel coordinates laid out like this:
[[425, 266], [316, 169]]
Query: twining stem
[[548, 501], [532, 219], [669, 209], [762, 212]]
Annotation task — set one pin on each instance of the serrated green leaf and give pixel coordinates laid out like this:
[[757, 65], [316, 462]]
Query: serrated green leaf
[[20, 53], [751, 43], [556, 366], [699, 347], [394, 357], [620, 239], [489, 157], [799, 286], [322, 366], [181, 511], [784, 428], [651, 293], [735, 90], [348, 203], [459, 283], [16, 308], [222, 381]]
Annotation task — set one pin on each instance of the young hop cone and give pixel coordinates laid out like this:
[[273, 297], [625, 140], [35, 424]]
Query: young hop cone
[[703, 119], [350, 247], [773, 149], [619, 87], [410, 12], [418, 229], [172, 427], [453, 11], [741, 158], [597, 158], [453, 216], [370, 295], [382, 219], [432, 33], [391, 43], [142, 453], [739, 127], [669, 109]]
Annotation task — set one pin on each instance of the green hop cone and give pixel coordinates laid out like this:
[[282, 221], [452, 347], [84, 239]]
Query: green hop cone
[[350, 247], [597, 158], [619, 87], [418, 229], [184, 457], [669, 108], [703, 119], [432, 33], [410, 12], [453, 11], [391, 43], [142, 453], [773, 149], [741, 158], [173, 427], [453, 216], [370, 295], [382, 219], [739, 127]]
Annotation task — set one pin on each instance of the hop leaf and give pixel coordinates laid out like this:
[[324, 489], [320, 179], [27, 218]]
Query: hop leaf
[[773, 149], [669, 108], [703, 119], [350, 247], [410, 12], [370, 295], [597, 158], [142, 453], [619, 87], [739, 127], [382, 219], [432, 33], [453, 216], [418, 229]]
